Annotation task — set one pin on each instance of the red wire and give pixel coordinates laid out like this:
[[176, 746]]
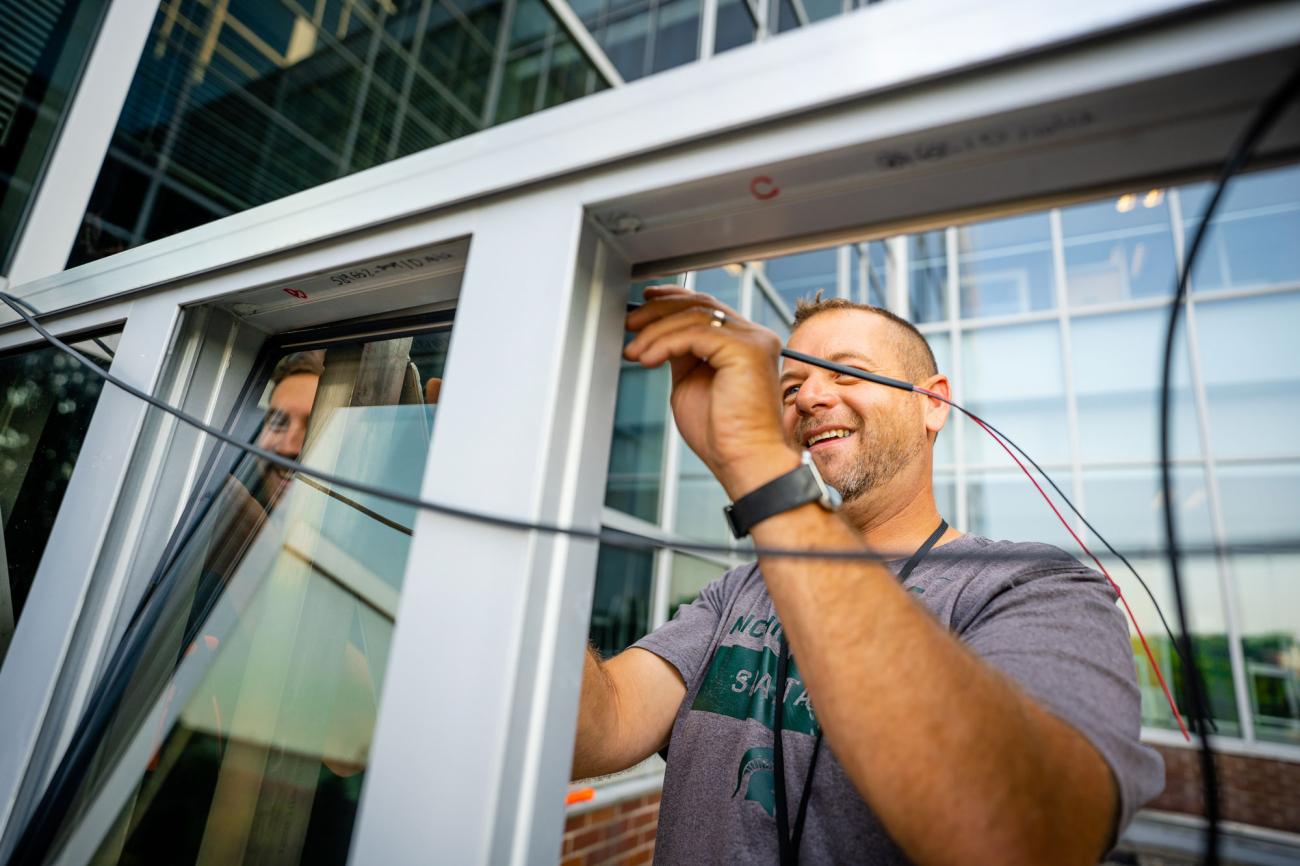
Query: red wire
[[1118, 592]]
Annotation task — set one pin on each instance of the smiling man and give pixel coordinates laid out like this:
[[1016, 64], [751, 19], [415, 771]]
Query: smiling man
[[977, 699]]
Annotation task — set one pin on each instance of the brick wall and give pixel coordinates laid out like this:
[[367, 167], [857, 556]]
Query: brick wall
[[619, 835], [1257, 791]]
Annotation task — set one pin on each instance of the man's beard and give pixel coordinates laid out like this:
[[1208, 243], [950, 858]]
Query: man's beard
[[883, 450]]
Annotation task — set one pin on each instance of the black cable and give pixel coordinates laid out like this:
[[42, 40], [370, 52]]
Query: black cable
[[1237, 156]]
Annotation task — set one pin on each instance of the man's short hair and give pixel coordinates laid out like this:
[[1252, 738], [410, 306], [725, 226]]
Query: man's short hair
[[295, 363], [913, 349]]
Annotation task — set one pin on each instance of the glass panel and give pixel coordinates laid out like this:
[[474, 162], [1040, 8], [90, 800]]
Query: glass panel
[[637, 452], [700, 500], [48, 401], [820, 10], [626, 39], [735, 25], [235, 104], [803, 275], [1252, 373], [620, 609], [1005, 266], [690, 575], [1004, 505], [786, 17], [259, 660], [869, 274], [1252, 242], [1126, 506], [927, 285], [677, 35], [722, 283], [767, 315], [1118, 249], [43, 50], [1013, 380], [1117, 383], [1260, 503]]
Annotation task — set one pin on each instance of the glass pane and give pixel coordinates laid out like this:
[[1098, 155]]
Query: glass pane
[[1259, 506], [786, 17], [252, 697], [48, 401], [722, 283], [735, 25], [767, 315], [927, 286], [1252, 242], [1118, 249], [1251, 367], [1117, 383], [803, 275], [1126, 506], [869, 274], [239, 103], [1003, 505], [1013, 380], [700, 500], [626, 40], [43, 50], [677, 34], [637, 451], [1005, 266], [620, 609], [690, 575]]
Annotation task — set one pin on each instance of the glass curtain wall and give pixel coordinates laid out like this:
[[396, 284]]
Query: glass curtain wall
[[1051, 325]]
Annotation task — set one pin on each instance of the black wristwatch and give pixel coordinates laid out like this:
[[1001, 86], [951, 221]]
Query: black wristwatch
[[799, 486]]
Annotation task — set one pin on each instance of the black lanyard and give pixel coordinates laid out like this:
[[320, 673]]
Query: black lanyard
[[788, 842]]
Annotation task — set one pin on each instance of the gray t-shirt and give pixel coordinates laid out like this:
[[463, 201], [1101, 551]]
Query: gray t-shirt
[[1029, 610]]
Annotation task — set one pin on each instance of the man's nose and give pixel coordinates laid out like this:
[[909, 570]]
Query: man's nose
[[815, 393]]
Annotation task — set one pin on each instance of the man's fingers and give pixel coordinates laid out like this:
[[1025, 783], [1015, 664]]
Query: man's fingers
[[671, 301], [681, 320]]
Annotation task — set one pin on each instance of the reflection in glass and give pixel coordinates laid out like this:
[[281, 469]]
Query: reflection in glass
[[802, 275], [869, 273], [48, 401], [722, 283], [690, 575], [1252, 241], [620, 608], [927, 285], [637, 450], [1118, 249], [43, 49], [1126, 505], [243, 727], [235, 104], [736, 25], [1117, 372], [1251, 365], [1012, 378], [700, 500], [1005, 266], [767, 315], [1002, 505]]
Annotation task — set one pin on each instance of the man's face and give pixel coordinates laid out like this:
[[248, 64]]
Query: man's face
[[286, 422], [861, 434]]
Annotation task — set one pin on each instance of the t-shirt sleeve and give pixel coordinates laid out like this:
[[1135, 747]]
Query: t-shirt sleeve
[[1057, 632], [684, 640]]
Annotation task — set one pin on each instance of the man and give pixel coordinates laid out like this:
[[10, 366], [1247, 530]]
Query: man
[[983, 711]]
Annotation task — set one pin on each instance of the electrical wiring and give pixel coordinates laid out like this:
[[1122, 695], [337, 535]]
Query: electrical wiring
[[1263, 120]]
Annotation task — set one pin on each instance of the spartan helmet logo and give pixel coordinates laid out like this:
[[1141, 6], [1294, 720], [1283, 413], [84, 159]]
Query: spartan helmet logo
[[755, 777]]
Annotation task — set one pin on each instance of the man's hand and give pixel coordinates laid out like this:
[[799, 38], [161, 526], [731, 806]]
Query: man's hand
[[725, 394]]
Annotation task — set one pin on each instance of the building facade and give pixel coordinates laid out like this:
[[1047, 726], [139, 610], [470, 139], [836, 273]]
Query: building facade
[[234, 105]]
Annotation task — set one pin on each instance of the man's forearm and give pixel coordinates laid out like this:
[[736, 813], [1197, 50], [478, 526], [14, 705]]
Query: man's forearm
[[597, 719], [921, 725]]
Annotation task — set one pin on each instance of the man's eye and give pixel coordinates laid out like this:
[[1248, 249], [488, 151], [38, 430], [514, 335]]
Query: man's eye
[[789, 392], [277, 421]]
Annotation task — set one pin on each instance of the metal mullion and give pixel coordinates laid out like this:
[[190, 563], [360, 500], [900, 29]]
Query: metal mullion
[[843, 270], [497, 75], [528, 619], [65, 187], [708, 28], [1067, 369], [38, 653], [897, 298], [1227, 587], [663, 574], [960, 479], [586, 43]]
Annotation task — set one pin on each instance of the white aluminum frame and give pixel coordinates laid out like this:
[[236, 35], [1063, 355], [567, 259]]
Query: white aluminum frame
[[562, 205]]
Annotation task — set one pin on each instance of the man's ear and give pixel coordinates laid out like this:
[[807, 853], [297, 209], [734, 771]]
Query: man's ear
[[937, 411]]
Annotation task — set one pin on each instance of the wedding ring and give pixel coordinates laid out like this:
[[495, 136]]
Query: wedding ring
[[719, 319]]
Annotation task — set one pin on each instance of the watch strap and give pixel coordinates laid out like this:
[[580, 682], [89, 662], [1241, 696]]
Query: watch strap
[[797, 487]]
